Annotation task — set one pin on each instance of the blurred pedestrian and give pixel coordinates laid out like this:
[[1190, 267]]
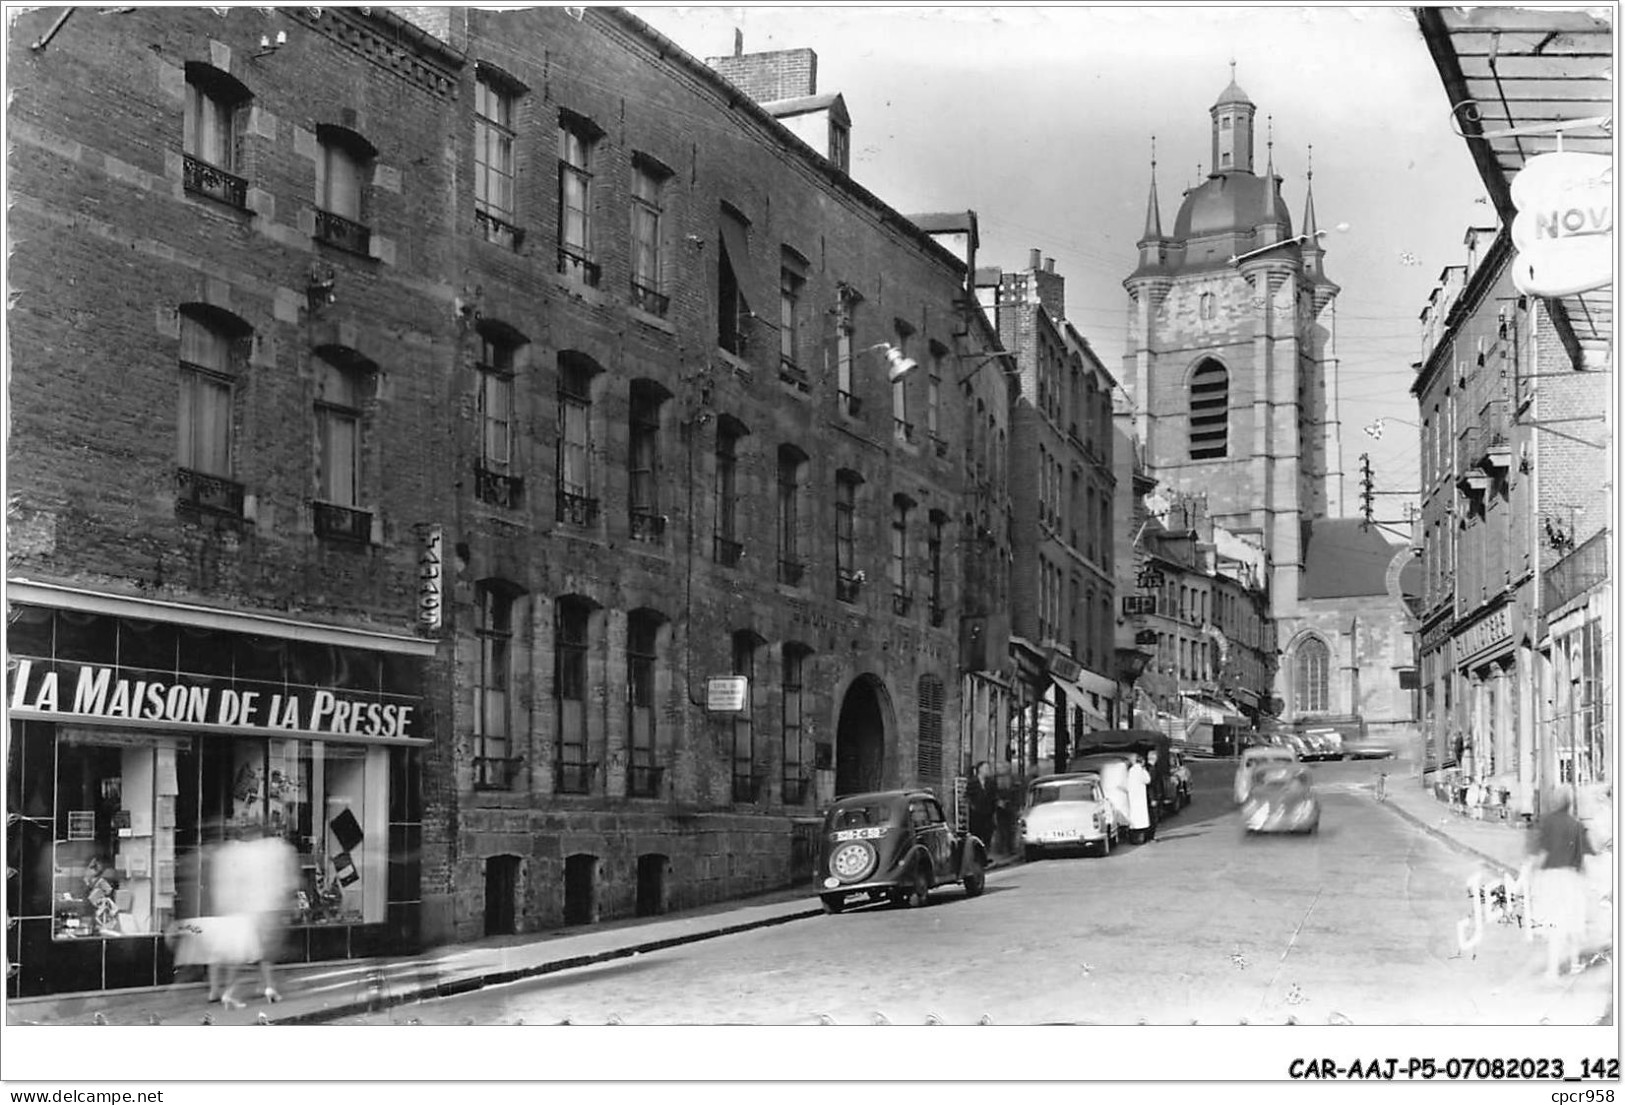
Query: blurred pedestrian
[[982, 796], [1561, 845], [271, 870], [1139, 800]]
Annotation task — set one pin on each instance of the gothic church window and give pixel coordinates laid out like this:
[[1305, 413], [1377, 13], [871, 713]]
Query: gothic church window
[[1312, 677], [1209, 411]]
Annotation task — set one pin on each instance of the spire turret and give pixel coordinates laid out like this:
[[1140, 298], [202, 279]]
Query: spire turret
[[1153, 215]]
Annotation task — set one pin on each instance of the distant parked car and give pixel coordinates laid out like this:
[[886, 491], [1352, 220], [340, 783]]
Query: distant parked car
[[1252, 758], [1067, 811], [1179, 779], [1330, 743], [894, 844], [1281, 799]]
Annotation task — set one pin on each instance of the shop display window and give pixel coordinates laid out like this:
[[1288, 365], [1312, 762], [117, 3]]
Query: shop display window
[[329, 800], [113, 861]]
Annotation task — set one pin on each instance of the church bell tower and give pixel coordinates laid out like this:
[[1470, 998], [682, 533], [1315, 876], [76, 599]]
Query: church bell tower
[[1227, 350]]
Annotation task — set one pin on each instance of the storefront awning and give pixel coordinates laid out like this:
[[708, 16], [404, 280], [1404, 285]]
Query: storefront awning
[[59, 597]]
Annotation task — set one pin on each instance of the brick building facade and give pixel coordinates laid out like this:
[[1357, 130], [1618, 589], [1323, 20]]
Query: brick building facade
[[440, 390], [1062, 489]]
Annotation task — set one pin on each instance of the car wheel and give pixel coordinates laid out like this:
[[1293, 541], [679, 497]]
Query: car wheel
[[975, 882], [834, 903], [918, 894]]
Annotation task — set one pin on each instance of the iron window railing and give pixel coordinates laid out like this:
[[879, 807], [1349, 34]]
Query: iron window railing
[[939, 614], [498, 488], [940, 444], [577, 510], [850, 403], [573, 777], [494, 228], [579, 265], [793, 374], [643, 781], [901, 602], [647, 525], [201, 493], [902, 429], [341, 523], [345, 234], [791, 571], [847, 587], [496, 772], [747, 788], [207, 180], [728, 552], [650, 301]]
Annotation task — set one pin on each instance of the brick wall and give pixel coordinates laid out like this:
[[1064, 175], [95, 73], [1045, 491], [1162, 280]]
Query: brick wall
[[771, 75], [108, 245]]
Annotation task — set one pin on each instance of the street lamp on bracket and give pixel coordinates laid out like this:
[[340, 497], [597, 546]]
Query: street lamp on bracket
[[1131, 664]]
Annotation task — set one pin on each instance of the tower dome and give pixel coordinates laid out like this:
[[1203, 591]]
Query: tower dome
[[1232, 203]]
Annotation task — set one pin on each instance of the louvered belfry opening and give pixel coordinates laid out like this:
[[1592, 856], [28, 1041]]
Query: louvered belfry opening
[[1210, 411]]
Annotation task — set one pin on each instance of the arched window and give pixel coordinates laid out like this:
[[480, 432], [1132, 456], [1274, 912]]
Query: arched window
[[495, 765], [1311, 677], [747, 780], [642, 660], [572, 626], [211, 137], [344, 385], [792, 473], [1209, 411], [643, 460], [576, 504], [343, 170], [214, 352], [793, 759]]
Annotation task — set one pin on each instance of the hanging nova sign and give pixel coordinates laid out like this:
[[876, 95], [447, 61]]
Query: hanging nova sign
[[68, 691], [1564, 229]]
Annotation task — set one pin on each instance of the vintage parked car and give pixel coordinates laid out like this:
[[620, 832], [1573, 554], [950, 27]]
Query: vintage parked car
[[1129, 743], [1067, 811], [894, 844], [1179, 778], [1281, 800], [1253, 757]]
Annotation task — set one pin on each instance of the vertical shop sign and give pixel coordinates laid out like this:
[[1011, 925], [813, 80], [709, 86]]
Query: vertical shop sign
[[431, 576]]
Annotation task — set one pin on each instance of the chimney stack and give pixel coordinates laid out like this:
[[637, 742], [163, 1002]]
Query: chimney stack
[[1034, 256], [1049, 264], [739, 42]]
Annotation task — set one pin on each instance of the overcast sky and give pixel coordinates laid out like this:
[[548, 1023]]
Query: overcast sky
[[1040, 119]]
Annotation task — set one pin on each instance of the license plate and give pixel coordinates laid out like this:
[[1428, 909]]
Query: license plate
[[1061, 836]]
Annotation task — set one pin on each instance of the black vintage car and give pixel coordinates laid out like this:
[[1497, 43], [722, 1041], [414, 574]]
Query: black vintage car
[[894, 844]]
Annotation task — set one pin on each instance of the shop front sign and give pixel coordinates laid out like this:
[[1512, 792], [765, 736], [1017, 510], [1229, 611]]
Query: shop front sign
[[46, 689], [431, 575], [1494, 629], [1564, 229]]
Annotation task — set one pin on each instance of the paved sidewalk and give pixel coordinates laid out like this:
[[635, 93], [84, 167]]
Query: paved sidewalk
[[320, 992], [1500, 847]]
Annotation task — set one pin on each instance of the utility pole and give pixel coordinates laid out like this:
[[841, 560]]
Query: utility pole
[[1367, 491]]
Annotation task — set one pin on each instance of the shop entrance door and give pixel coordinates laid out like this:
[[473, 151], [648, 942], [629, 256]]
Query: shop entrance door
[[501, 895]]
